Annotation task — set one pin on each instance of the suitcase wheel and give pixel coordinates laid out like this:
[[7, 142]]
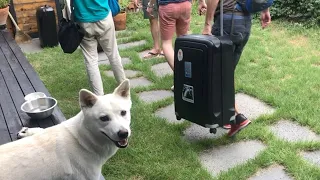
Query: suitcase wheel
[[213, 130]]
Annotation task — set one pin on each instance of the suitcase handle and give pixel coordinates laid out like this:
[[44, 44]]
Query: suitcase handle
[[221, 17]]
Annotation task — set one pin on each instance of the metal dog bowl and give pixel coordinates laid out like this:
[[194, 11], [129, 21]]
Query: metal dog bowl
[[34, 95], [40, 108]]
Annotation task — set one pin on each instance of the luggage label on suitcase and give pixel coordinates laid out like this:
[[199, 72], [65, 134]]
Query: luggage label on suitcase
[[198, 79]]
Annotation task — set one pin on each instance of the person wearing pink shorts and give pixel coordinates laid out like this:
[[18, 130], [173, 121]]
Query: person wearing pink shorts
[[174, 17]]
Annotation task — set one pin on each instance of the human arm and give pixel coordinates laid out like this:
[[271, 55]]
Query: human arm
[[150, 8], [135, 2], [211, 9], [265, 18], [202, 7]]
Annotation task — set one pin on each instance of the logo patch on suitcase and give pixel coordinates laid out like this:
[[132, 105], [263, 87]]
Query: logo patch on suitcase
[[187, 69], [180, 55], [187, 93]]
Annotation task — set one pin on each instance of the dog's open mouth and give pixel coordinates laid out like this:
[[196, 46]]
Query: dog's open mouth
[[120, 144]]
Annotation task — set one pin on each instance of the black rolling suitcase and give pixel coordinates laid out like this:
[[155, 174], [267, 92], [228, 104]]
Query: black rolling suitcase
[[47, 27], [204, 80]]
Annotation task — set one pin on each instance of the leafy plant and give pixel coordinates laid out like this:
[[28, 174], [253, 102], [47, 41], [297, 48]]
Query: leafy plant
[[306, 12], [123, 4], [4, 3]]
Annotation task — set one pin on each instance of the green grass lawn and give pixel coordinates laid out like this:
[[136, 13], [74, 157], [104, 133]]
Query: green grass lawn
[[280, 65]]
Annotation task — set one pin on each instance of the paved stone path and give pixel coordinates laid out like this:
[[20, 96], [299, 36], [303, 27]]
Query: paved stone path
[[222, 158], [168, 114], [107, 62], [293, 132], [129, 73], [153, 96], [139, 82], [31, 47], [219, 158], [252, 107], [162, 69], [313, 157], [274, 172], [131, 44]]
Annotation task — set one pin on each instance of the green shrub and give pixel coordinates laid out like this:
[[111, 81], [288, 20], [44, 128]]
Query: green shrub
[[306, 11], [4, 3]]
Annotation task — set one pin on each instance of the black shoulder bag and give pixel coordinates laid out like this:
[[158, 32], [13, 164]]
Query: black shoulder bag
[[70, 34]]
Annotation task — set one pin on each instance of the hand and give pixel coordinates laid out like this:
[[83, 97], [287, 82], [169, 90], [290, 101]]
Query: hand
[[136, 4], [265, 18], [207, 30], [150, 11], [202, 8]]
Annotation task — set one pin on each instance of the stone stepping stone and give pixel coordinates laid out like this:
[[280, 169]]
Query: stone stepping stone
[[107, 62], [162, 69], [131, 44], [168, 113], [119, 40], [32, 46], [252, 107], [293, 132], [249, 106], [274, 172], [124, 33], [139, 82], [312, 157], [153, 96], [196, 132], [222, 158], [102, 56], [129, 73]]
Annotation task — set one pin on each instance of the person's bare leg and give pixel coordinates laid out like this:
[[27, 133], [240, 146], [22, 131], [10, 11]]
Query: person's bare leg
[[168, 52], [155, 32]]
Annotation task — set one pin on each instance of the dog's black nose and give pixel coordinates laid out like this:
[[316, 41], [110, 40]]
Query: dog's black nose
[[123, 134]]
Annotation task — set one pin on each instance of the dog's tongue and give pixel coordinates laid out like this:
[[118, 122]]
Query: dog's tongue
[[123, 142]]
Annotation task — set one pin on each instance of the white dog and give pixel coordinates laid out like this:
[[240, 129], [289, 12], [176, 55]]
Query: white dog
[[75, 149]]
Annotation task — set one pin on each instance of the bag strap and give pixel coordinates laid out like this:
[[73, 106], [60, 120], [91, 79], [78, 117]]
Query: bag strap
[[221, 17], [70, 17], [71, 8], [232, 20]]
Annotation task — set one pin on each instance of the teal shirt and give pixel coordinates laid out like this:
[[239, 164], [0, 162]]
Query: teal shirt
[[90, 10]]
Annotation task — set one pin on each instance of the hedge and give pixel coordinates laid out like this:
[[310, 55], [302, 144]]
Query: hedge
[[305, 11]]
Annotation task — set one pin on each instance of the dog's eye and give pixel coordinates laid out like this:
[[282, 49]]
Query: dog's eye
[[105, 118], [123, 113]]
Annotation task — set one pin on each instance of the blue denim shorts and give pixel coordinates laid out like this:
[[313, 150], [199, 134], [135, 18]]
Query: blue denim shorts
[[240, 34]]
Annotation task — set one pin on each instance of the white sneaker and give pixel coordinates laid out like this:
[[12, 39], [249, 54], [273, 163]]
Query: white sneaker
[[172, 88]]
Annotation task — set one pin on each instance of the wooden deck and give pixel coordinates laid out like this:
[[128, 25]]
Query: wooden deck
[[17, 79]]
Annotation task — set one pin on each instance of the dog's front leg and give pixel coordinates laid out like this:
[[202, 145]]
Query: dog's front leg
[[25, 132]]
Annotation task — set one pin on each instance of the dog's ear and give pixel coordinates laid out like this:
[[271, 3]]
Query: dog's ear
[[87, 98], [123, 89]]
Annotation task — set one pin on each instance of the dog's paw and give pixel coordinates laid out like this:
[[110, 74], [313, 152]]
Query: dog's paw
[[25, 132]]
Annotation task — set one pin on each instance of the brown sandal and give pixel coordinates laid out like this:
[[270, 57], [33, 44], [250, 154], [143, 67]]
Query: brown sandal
[[151, 55]]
